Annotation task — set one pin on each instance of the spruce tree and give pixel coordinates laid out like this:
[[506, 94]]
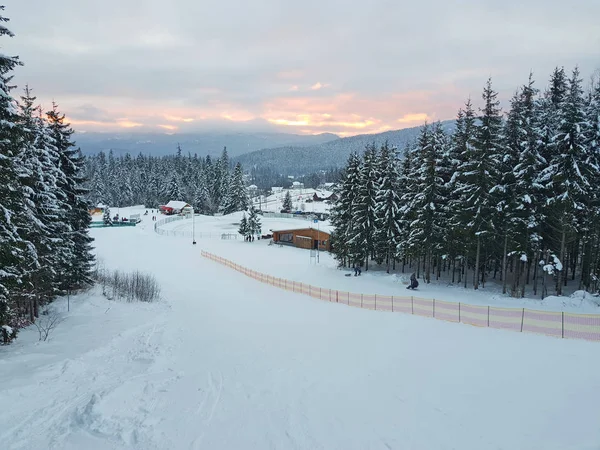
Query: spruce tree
[[287, 202], [428, 228], [342, 219], [480, 175], [568, 177], [77, 266], [244, 229], [388, 205], [362, 240], [236, 198], [107, 219], [14, 251], [254, 225]]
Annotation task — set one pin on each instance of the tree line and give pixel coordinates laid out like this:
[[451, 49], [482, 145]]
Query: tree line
[[511, 196], [45, 249], [210, 186]]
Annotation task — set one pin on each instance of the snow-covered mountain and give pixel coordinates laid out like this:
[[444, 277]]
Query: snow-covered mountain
[[297, 160]]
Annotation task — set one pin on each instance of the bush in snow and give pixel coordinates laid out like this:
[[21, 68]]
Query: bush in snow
[[47, 323], [132, 286]]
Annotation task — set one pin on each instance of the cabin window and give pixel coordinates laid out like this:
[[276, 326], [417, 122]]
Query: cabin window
[[286, 237]]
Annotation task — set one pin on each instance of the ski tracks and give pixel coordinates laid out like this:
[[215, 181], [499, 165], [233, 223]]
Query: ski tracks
[[207, 407]]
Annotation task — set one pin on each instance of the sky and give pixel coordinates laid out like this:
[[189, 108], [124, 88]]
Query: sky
[[303, 67]]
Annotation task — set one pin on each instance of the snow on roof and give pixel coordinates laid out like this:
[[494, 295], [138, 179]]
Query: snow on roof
[[100, 205], [176, 204], [323, 228], [253, 186]]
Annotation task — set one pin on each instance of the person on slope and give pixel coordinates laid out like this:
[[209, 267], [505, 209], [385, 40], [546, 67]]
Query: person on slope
[[413, 282]]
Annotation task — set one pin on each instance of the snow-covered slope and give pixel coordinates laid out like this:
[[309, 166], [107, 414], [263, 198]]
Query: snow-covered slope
[[224, 362]]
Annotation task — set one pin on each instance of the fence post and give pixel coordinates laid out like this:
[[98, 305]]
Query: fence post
[[337, 296], [412, 305], [522, 318], [361, 300], [392, 303], [488, 316], [320, 292], [434, 308], [375, 302], [563, 324], [458, 312]]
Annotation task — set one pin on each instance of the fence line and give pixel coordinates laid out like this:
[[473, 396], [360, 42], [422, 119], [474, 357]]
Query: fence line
[[551, 323], [188, 234]]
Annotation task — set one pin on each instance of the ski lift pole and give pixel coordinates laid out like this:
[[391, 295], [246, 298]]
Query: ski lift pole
[[193, 227], [318, 238]]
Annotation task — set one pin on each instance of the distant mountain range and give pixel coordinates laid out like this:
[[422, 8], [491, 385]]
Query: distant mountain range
[[296, 160], [286, 154], [201, 143]]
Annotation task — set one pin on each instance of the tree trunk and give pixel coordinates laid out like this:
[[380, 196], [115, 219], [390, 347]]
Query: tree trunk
[[535, 269], [504, 264], [562, 255], [465, 270], [454, 270], [575, 258], [476, 269], [514, 292]]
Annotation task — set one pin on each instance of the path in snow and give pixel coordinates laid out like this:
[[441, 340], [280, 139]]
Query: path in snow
[[226, 362]]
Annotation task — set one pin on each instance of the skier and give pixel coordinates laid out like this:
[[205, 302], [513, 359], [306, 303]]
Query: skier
[[413, 282]]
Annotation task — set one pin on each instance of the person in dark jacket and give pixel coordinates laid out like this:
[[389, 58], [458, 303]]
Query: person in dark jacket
[[413, 282]]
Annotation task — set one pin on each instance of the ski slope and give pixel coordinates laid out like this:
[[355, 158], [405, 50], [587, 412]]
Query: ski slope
[[224, 362]]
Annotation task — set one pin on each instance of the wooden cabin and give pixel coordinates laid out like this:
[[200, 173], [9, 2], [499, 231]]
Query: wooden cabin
[[308, 238]]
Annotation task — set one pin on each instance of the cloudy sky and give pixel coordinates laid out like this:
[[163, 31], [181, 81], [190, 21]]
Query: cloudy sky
[[309, 66]]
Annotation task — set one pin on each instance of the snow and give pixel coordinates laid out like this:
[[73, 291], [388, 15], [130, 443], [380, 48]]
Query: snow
[[274, 203], [8, 329], [224, 362], [176, 204]]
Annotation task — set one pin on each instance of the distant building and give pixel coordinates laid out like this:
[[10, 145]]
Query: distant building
[[308, 238], [252, 190], [327, 186], [174, 207], [297, 185], [331, 198], [277, 189]]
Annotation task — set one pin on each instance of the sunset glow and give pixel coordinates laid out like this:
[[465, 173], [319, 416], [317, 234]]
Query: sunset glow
[[346, 71]]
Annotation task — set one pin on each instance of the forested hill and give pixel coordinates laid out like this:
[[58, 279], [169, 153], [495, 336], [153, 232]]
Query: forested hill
[[207, 143], [295, 160]]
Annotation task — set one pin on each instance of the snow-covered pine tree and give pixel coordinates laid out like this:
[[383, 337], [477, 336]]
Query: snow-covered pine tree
[[237, 196], [388, 203], [254, 224], [173, 190], [480, 175], [287, 202], [525, 203], [428, 228], [225, 178], [568, 177], [590, 265], [15, 253], [342, 218], [78, 267], [106, 218], [362, 240], [244, 229]]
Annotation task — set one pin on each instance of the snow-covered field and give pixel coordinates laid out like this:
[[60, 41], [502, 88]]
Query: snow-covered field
[[274, 202], [224, 362]]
